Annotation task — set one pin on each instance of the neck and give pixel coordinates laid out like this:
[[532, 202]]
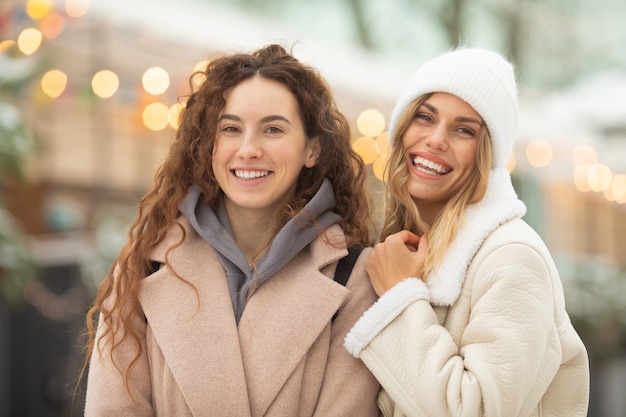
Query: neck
[[429, 211], [252, 230]]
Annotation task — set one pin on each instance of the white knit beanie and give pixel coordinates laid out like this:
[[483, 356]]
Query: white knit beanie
[[484, 80]]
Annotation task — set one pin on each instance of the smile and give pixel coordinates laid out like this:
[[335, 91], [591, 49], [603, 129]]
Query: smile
[[250, 175], [429, 167]]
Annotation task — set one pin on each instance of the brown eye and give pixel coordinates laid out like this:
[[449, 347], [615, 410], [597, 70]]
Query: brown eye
[[273, 130], [423, 116], [466, 131]]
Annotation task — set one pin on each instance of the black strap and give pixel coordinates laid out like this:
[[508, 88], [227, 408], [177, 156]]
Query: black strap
[[345, 264], [344, 267]]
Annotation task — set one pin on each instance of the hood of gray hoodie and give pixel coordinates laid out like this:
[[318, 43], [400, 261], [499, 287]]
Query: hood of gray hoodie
[[214, 227]]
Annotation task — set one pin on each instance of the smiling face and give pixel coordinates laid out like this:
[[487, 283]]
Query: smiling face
[[260, 148], [440, 146]]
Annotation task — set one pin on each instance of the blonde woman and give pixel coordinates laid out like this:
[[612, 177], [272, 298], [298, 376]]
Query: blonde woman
[[471, 318]]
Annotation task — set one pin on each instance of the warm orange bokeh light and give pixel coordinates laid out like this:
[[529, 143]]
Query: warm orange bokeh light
[[29, 40], [37, 9], [52, 25], [174, 114], [366, 148], [370, 123], [155, 116], [379, 167], [382, 143], [53, 83], [599, 177]]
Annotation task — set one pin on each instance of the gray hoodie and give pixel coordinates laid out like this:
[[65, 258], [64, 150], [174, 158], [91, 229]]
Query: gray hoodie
[[214, 227]]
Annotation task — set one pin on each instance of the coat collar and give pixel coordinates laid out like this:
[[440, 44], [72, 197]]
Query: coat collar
[[499, 205], [201, 343]]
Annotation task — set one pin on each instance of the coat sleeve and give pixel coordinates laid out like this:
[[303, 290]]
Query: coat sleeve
[[349, 389], [107, 394], [503, 360]]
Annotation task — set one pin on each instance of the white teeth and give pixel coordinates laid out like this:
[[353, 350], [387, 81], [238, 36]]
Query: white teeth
[[248, 175], [433, 167]]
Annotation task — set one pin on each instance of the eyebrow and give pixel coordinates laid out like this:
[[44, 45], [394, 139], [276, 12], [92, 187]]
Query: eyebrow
[[459, 119], [265, 119]]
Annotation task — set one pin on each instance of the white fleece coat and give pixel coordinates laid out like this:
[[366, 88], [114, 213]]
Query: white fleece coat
[[487, 334]]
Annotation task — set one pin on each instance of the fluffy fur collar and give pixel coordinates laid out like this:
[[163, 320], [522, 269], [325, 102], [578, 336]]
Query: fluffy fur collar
[[443, 285], [499, 205]]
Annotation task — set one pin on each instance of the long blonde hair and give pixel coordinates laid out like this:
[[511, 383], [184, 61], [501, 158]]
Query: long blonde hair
[[401, 213]]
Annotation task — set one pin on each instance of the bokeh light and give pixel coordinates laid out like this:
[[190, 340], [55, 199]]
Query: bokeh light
[[29, 40], [7, 45], [37, 9], [155, 81], [53, 83], [76, 8], [618, 188], [366, 148], [52, 25], [199, 77], [378, 167], [599, 177], [105, 83], [370, 123], [581, 181], [382, 143], [539, 152], [174, 113], [155, 116]]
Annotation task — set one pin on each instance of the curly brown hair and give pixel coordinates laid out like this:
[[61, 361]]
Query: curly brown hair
[[189, 163]]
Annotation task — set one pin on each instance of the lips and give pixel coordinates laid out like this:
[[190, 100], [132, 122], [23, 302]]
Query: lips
[[429, 167], [250, 175]]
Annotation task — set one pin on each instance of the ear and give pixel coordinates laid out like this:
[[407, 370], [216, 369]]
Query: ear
[[313, 149]]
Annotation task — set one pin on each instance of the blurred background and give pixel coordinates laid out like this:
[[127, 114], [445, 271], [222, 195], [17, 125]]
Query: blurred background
[[88, 102]]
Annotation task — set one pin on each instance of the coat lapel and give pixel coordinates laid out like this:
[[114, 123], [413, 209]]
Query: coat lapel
[[283, 318], [197, 332]]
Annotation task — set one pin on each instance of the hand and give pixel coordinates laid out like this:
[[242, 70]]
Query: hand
[[400, 256]]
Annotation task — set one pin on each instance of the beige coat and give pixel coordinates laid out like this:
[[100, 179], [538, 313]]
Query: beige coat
[[284, 358], [487, 335], [506, 347]]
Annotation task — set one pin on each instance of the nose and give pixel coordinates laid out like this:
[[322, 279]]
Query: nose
[[250, 146], [438, 138]]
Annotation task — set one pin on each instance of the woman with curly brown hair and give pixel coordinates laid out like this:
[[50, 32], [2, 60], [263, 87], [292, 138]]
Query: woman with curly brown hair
[[223, 303]]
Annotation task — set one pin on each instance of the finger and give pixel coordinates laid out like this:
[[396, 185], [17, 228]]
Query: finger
[[409, 238], [422, 249], [424, 242]]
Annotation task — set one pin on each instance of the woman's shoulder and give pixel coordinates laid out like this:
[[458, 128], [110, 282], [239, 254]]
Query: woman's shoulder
[[513, 238], [514, 231], [175, 234]]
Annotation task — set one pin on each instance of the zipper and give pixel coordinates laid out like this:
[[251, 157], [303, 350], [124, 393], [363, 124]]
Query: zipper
[[382, 412]]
